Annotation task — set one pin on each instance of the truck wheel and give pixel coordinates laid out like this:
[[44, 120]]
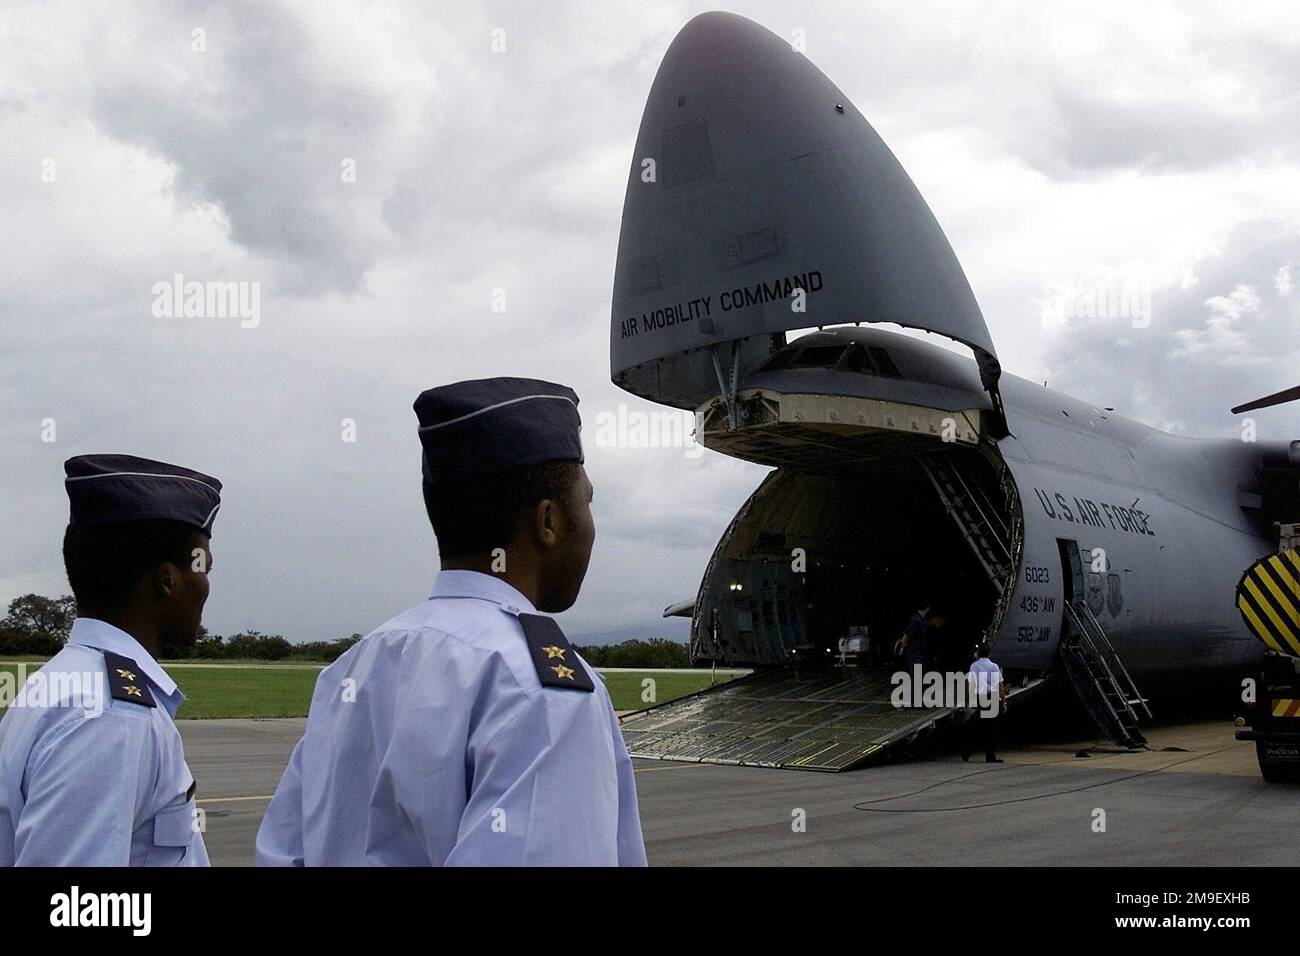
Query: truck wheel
[[1269, 769]]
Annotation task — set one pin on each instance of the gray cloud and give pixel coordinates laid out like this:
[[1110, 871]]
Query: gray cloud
[[256, 124], [1229, 332]]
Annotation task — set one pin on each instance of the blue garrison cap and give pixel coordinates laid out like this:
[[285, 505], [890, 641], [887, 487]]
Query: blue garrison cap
[[483, 427], [111, 489]]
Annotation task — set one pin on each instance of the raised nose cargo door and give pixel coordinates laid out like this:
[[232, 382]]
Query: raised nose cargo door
[[759, 201]]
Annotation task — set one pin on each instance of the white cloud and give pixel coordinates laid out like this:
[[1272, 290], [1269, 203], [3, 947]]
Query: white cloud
[[1242, 300], [1221, 341]]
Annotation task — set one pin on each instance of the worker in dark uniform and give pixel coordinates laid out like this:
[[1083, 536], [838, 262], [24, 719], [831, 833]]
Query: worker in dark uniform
[[467, 730], [916, 647], [915, 650], [94, 773]]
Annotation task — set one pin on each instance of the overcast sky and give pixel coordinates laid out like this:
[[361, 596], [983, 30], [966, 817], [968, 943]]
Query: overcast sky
[[1054, 142]]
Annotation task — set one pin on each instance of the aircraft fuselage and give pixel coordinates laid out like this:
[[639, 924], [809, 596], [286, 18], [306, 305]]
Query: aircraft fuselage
[[1156, 521]]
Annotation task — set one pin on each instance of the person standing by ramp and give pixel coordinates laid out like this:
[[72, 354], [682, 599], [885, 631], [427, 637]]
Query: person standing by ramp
[[990, 690]]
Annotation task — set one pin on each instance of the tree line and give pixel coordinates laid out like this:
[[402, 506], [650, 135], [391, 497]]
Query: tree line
[[655, 652], [37, 625]]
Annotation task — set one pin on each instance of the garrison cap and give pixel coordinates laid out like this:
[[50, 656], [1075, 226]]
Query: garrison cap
[[487, 426], [112, 489]]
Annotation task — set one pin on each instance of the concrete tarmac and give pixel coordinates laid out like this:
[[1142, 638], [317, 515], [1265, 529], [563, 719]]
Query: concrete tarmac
[[1199, 803]]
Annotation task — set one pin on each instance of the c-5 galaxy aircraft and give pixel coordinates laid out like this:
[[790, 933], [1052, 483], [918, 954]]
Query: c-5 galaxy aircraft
[[1096, 554]]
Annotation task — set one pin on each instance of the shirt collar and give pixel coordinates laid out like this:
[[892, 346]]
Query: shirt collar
[[92, 632], [455, 583]]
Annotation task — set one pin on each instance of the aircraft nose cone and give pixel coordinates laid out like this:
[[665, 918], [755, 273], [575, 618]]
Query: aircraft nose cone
[[760, 200], [760, 99], [715, 32]]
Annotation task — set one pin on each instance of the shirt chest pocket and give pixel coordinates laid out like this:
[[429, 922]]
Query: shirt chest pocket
[[173, 832]]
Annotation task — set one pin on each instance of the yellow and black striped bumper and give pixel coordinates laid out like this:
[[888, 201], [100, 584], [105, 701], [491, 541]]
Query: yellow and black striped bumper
[[1268, 596]]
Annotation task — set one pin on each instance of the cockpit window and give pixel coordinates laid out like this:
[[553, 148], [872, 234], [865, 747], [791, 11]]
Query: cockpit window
[[780, 360], [819, 356], [869, 360], [884, 364]]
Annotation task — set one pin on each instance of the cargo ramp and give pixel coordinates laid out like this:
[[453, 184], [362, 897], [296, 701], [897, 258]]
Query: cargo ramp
[[795, 716]]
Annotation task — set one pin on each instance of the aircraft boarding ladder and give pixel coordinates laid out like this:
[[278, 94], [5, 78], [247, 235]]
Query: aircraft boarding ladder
[[1100, 677]]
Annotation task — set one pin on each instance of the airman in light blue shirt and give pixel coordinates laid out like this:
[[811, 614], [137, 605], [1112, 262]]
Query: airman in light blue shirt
[[433, 741], [468, 731], [92, 770]]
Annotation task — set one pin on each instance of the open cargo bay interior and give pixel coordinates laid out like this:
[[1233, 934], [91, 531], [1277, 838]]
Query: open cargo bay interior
[[869, 547], [877, 533]]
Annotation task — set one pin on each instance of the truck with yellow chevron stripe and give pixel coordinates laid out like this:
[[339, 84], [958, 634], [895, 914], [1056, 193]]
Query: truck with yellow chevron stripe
[[1268, 597]]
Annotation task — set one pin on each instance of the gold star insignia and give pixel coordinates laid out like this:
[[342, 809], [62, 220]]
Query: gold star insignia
[[127, 674], [562, 671], [132, 690], [554, 651]]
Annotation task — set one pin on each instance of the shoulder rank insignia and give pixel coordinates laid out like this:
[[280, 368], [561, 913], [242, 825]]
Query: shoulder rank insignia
[[127, 682], [555, 659]]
